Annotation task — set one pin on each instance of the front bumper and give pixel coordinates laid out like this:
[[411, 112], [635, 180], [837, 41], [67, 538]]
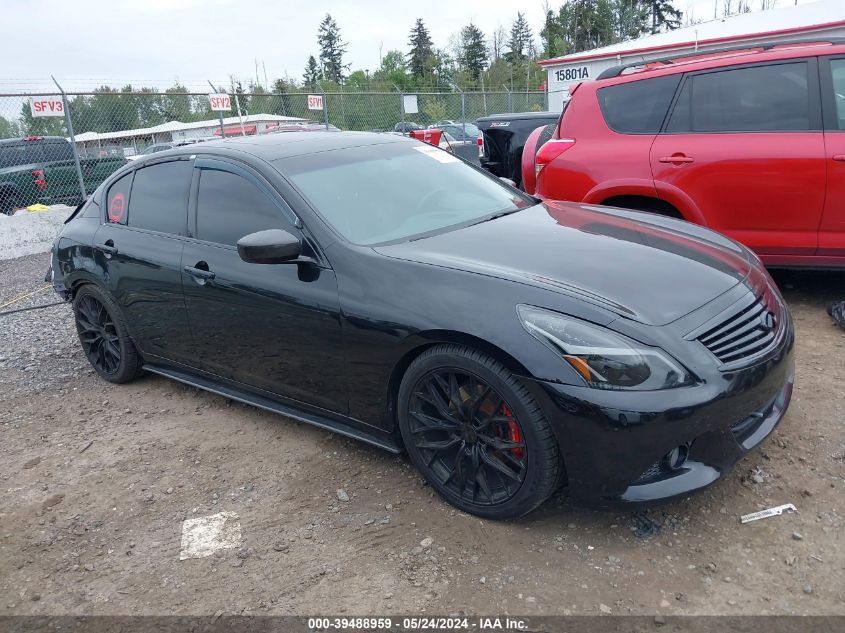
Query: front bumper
[[613, 442]]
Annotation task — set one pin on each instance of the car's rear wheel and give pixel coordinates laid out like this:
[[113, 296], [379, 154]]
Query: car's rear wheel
[[476, 434], [102, 333]]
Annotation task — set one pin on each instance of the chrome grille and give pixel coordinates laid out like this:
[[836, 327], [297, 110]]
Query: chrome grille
[[748, 329]]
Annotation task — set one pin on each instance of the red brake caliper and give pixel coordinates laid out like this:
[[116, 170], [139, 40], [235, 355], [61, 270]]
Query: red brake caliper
[[514, 434]]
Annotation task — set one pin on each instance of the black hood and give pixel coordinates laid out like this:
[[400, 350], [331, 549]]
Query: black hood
[[644, 267]]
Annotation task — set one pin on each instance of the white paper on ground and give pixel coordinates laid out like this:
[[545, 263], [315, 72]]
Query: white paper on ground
[[203, 536]]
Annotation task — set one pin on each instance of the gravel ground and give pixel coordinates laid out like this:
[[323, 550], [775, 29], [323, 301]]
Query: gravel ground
[[97, 480]]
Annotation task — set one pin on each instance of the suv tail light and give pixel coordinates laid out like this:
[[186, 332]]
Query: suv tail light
[[39, 179], [480, 142], [551, 150]]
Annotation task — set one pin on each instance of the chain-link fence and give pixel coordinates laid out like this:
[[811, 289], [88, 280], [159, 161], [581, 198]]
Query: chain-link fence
[[57, 148]]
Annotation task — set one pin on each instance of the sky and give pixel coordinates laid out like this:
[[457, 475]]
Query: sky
[[89, 43]]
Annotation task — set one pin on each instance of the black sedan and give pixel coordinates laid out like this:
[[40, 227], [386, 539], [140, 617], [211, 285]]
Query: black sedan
[[386, 290]]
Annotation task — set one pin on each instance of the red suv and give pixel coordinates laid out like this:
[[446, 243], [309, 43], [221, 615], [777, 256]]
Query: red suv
[[748, 142]]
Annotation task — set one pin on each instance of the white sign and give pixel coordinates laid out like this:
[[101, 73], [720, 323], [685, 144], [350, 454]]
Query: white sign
[[570, 74], [220, 102], [46, 106], [410, 104], [315, 102]]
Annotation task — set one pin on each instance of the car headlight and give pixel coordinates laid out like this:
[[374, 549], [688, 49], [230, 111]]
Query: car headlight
[[604, 359]]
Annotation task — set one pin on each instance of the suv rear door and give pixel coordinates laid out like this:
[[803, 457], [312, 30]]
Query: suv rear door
[[832, 229], [743, 149]]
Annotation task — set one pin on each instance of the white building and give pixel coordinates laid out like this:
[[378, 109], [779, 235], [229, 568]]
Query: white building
[[94, 143], [824, 19]]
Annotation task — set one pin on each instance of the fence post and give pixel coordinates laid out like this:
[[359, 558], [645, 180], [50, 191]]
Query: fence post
[[220, 112], [69, 124], [401, 101], [510, 98]]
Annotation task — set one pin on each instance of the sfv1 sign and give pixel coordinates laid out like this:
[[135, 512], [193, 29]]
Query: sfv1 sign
[[315, 102], [220, 102], [46, 106]]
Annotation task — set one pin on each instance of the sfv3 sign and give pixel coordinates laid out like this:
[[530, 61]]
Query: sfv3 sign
[[46, 106]]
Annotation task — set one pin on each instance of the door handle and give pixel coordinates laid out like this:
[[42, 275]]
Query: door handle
[[199, 273], [676, 159], [108, 248], [839, 158]]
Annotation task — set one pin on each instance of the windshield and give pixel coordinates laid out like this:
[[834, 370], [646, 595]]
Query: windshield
[[397, 191]]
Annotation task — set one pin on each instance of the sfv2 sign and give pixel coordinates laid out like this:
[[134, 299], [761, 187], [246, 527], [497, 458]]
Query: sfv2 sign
[[315, 102], [220, 102], [46, 106]]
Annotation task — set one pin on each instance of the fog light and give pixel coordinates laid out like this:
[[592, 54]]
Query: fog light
[[674, 459]]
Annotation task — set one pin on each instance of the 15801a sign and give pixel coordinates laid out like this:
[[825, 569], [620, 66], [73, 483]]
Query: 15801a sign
[[573, 73]]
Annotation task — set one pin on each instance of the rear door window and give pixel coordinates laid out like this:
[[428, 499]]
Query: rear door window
[[837, 68], [58, 150], [771, 98], [25, 153], [159, 198], [117, 199], [638, 107], [230, 207]]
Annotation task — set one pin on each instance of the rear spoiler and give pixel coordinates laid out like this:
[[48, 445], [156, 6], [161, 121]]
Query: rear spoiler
[[77, 210]]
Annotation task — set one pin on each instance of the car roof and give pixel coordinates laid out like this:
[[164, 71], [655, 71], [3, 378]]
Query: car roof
[[270, 147], [732, 56]]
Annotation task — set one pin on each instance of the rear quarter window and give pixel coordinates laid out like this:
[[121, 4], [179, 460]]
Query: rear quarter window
[[638, 107]]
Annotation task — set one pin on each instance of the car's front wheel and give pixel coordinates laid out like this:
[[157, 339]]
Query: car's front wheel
[[476, 434], [103, 335]]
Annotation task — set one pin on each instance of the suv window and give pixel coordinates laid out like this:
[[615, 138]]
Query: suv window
[[159, 200], [772, 98], [117, 199], [58, 150], [638, 107], [230, 207], [837, 67]]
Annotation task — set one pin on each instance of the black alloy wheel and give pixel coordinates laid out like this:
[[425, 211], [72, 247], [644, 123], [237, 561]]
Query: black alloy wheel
[[468, 436], [476, 434], [103, 336]]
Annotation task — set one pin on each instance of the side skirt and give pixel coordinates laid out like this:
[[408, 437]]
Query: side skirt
[[384, 441]]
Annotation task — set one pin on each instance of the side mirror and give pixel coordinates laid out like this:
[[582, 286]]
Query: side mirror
[[273, 246]]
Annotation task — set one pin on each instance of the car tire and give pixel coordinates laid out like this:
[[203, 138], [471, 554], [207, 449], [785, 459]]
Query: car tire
[[103, 336], [476, 434]]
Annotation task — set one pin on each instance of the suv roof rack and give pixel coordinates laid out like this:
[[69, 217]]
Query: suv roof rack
[[751, 47]]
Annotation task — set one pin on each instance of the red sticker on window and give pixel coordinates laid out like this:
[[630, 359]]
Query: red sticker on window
[[117, 208]]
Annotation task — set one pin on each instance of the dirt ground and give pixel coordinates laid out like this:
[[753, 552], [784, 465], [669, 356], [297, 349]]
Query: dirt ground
[[97, 480]]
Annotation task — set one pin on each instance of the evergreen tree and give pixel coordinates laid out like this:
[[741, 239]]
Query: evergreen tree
[[520, 40], [664, 16], [551, 36], [332, 49], [420, 59], [311, 75], [473, 53]]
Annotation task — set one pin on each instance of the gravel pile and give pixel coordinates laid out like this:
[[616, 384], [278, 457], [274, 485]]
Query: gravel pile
[[25, 233], [40, 349]]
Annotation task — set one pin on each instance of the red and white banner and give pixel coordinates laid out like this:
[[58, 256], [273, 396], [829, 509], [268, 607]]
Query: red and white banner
[[46, 106], [315, 102], [220, 102]]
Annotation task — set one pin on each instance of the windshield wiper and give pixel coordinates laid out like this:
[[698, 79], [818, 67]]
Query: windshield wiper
[[496, 215]]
